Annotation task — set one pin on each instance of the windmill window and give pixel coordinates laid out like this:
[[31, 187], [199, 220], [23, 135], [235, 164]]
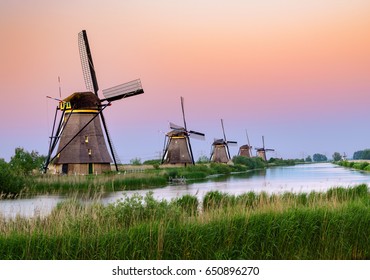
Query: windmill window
[[86, 139], [89, 152]]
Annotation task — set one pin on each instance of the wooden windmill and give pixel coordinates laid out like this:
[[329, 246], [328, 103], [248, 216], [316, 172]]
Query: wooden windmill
[[178, 148], [82, 148], [220, 148], [246, 150], [261, 152]]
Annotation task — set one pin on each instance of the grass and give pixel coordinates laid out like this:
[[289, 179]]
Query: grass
[[145, 179], [331, 225], [130, 177]]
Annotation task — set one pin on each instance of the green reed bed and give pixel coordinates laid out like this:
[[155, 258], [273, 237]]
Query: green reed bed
[[149, 178], [63, 184], [331, 225]]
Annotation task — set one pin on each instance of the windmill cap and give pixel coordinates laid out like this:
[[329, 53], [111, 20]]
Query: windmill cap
[[83, 100], [219, 142], [175, 132], [245, 147]]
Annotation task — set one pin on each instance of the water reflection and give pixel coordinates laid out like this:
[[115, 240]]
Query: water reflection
[[299, 178]]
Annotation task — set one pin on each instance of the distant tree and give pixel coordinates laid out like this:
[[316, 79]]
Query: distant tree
[[152, 161], [203, 159], [251, 163], [10, 182], [337, 156], [362, 154], [135, 161], [24, 162], [308, 159], [319, 157]]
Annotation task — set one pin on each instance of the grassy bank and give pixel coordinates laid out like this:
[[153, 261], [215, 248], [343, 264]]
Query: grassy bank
[[331, 225], [359, 165], [129, 178]]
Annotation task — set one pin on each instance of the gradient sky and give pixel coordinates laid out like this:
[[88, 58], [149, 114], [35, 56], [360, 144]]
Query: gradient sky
[[297, 72]]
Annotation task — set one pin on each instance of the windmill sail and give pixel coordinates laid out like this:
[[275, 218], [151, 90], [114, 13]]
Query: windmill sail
[[91, 83], [87, 63], [123, 91], [176, 127]]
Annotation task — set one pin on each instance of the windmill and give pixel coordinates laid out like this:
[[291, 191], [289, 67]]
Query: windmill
[[82, 148], [261, 152], [246, 150], [178, 148], [220, 148]]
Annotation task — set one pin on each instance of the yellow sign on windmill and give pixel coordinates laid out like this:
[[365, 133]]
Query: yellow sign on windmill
[[63, 105]]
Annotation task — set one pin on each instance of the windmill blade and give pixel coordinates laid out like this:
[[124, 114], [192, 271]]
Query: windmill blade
[[175, 126], [197, 135], [246, 132], [263, 142], [231, 143], [87, 63], [223, 129], [269, 150], [183, 111], [125, 90]]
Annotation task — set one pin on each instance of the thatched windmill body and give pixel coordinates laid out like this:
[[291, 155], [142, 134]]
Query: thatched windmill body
[[82, 147], [220, 148], [261, 152], [246, 150], [178, 149]]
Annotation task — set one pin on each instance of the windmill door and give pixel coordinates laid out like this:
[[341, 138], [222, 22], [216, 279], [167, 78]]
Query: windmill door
[[91, 168], [64, 168]]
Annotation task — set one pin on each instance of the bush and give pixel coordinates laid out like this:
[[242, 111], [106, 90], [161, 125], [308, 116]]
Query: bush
[[220, 168], [24, 163], [135, 161], [152, 162], [360, 165], [250, 163], [10, 182]]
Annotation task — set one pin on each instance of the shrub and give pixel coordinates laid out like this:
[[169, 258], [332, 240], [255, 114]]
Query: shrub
[[360, 165], [152, 162], [220, 168], [250, 163], [10, 182]]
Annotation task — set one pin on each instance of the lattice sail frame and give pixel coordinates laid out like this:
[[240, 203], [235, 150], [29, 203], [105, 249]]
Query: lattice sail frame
[[123, 90], [86, 64]]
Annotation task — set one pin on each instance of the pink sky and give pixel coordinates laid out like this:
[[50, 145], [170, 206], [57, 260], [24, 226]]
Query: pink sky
[[297, 72]]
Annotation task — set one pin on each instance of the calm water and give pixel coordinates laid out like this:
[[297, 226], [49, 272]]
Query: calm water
[[299, 178]]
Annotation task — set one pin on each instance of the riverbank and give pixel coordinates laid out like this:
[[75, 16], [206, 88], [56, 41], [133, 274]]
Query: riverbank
[[355, 164], [130, 177], [330, 225]]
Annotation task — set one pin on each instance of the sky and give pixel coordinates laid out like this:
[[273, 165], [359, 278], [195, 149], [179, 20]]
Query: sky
[[295, 72]]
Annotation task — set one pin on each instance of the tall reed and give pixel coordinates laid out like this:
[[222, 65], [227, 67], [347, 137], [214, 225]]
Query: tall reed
[[331, 225]]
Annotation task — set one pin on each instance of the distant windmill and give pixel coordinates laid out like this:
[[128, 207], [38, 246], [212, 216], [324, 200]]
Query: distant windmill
[[246, 150], [261, 152], [178, 148], [220, 148], [82, 148]]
